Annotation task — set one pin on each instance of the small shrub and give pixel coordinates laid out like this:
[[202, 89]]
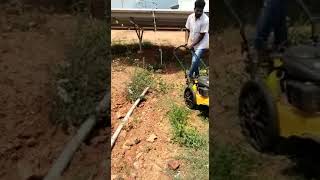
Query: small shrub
[[162, 86], [140, 80]]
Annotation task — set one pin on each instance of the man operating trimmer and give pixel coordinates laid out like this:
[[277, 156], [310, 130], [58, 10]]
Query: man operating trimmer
[[197, 36]]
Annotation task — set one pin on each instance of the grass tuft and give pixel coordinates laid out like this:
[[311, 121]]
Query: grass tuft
[[183, 134], [140, 80], [231, 162]]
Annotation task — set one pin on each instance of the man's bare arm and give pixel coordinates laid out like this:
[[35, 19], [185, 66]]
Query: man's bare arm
[[187, 34], [199, 39]]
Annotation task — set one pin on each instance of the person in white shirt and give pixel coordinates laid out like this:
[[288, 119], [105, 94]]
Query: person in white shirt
[[197, 26]]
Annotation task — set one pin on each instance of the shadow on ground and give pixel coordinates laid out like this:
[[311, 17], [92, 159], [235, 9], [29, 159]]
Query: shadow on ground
[[204, 112], [305, 155], [151, 57]]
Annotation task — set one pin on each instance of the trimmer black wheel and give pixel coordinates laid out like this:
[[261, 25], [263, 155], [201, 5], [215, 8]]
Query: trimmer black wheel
[[190, 98], [258, 116]]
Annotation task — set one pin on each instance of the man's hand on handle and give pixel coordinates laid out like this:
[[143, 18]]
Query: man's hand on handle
[[189, 46]]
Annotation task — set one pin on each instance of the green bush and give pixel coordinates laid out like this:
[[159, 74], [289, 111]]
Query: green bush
[[140, 80]]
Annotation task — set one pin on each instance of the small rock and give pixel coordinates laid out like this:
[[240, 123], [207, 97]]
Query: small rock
[[136, 165], [152, 138], [141, 104], [137, 140], [31, 142], [129, 143], [126, 147], [173, 164], [132, 142], [120, 115]]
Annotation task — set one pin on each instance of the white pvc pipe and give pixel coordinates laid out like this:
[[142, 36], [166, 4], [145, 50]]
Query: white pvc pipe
[[126, 118]]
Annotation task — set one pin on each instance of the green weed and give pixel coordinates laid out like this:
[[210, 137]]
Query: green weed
[[197, 163], [140, 80], [182, 134], [230, 162]]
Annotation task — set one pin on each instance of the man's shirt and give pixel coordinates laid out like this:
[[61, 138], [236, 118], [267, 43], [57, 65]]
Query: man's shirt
[[201, 25]]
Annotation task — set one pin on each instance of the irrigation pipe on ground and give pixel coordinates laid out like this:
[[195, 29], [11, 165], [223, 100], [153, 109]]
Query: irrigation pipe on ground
[[67, 154], [117, 132]]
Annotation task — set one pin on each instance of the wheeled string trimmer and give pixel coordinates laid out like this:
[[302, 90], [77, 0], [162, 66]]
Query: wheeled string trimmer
[[197, 91], [286, 102]]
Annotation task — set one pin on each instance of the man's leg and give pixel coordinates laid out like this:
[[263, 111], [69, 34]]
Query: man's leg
[[280, 26], [264, 25], [199, 53], [195, 62], [269, 20]]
